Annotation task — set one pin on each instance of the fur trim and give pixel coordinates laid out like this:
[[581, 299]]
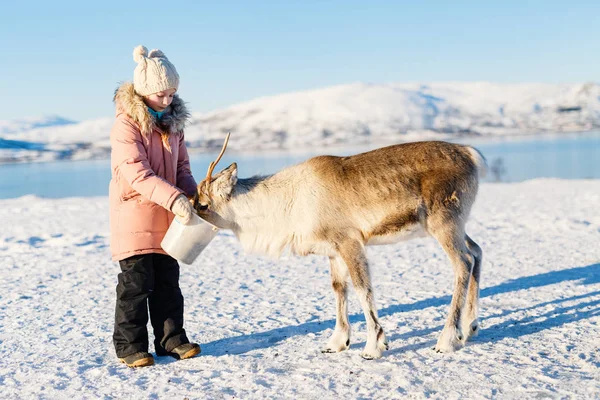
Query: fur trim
[[132, 104]]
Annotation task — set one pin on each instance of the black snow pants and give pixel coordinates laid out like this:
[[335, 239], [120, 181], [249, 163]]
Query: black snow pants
[[148, 282]]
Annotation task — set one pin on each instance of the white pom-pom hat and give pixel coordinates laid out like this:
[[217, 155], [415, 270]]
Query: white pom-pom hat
[[154, 72]]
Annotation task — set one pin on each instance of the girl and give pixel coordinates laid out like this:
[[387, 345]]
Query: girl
[[151, 183]]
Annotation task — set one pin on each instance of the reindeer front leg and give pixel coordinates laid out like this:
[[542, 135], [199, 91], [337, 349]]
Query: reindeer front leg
[[353, 254], [340, 340]]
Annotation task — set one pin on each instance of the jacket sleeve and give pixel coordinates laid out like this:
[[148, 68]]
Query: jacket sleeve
[[185, 180], [132, 160]]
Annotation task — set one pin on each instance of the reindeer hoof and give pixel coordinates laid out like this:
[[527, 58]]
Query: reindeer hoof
[[328, 351], [471, 330], [450, 340], [370, 356], [339, 341], [371, 353]]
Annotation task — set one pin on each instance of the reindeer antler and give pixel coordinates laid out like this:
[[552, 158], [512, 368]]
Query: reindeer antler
[[213, 164]]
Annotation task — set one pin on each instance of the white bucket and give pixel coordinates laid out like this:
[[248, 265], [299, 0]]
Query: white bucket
[[185, 242]]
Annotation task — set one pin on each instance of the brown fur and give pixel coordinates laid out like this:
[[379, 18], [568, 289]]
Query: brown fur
[[429, 177]]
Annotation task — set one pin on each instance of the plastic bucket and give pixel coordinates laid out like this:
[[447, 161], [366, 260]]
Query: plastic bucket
[[185, 242]]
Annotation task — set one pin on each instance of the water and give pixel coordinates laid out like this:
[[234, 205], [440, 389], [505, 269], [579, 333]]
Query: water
[[567, 156]]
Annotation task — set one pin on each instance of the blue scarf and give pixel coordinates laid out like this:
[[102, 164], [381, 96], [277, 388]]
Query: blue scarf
[[156, 114]]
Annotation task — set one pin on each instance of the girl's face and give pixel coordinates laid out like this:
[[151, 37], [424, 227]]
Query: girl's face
[[161, 100]]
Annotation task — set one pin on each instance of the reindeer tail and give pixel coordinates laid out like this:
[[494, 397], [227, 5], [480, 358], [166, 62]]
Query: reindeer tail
[[479, 161]]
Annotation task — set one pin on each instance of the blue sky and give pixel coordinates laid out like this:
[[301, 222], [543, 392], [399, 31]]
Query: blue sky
[[66, 57]]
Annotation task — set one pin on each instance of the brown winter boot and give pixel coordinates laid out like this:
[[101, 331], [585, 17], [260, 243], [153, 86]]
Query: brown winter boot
[[186, 350], [140, 359]]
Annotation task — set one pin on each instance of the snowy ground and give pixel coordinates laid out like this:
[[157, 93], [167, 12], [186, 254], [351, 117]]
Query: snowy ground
[[261, 323]]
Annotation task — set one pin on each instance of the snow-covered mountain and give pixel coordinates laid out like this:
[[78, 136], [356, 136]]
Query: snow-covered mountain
[[24, 124], [347, 114], [358, 113]]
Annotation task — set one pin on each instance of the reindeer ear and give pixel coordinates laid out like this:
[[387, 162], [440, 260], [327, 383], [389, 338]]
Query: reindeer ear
[[223, 183]]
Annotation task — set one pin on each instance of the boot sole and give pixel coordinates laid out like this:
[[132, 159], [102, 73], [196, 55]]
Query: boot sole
[[144, 362], [191, 353]]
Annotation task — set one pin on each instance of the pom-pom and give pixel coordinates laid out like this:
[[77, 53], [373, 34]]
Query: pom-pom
[[139, 53], [156, 53]]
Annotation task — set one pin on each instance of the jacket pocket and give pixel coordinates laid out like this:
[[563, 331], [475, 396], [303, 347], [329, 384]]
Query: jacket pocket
[[126, 192], [129, 195]]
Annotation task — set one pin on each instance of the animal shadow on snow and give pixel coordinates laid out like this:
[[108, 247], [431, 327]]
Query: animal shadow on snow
[[512, 328]]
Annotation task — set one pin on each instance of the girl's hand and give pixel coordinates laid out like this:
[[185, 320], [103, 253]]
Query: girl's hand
[[182, 208]]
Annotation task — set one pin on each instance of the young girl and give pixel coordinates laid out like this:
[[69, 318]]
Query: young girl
[[151, 183]]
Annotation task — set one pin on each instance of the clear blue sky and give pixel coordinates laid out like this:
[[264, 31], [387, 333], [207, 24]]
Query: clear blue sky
[[66, 57]]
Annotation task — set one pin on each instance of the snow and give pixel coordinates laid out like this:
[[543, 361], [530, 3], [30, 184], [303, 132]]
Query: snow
[[355, 113], [25, 124], [261, 322]]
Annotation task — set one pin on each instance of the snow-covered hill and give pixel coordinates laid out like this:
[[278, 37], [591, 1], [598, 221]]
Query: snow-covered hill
[[361, 113], [25, 124], [347, 114]]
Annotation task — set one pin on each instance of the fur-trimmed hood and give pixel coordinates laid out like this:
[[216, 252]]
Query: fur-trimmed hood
[[132, 104]]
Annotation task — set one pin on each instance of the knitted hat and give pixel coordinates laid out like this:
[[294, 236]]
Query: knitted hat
[[154, 73]]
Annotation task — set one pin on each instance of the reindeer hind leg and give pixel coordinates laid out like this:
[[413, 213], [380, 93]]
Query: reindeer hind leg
[[469, 318], [452, 239]]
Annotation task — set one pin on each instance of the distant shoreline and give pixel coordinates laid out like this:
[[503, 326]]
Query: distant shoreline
[[88, 152]]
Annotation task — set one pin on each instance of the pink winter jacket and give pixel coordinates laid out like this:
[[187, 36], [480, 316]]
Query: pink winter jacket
[[146, 175]]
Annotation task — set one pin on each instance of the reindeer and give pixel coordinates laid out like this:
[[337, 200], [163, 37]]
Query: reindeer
[[335, 206]]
